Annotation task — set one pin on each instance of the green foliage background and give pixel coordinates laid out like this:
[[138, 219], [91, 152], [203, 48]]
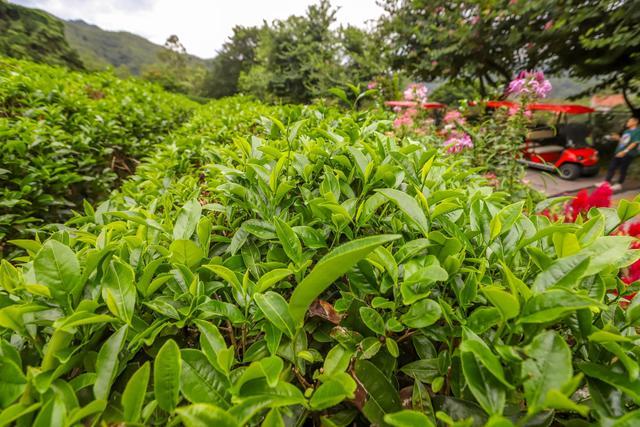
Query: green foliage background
[[283, 265]]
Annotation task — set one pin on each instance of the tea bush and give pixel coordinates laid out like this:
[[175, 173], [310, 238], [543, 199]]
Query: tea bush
[[301, 266], [68, 136]]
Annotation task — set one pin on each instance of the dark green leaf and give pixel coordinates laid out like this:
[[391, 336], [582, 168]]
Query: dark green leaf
[[166, 376]]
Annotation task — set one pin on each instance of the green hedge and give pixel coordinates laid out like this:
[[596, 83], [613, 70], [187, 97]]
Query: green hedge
[[300, 265], [67, 136]]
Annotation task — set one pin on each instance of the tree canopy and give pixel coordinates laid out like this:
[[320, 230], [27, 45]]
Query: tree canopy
[[488, 41], [236, 56], [599, 38]]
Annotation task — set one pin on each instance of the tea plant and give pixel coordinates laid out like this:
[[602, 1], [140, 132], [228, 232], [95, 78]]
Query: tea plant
[[300, 266], [69, 136]]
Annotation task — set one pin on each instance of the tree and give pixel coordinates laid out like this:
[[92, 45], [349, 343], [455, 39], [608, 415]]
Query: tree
[[174, 53], [174, 72], [484, 41], [360, 52], [294, 59], [488, 41], [236, 56], [599, 38], [297, 57]]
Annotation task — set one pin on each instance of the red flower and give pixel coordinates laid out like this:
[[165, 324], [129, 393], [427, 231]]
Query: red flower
[[599, 198], [579, 204], [632, 229], [552, 216]]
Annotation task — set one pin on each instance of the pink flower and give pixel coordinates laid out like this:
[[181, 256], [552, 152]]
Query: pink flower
[[514, 110], [548, 25], [474, 20], [416, 92], [403, 120], [453, 116], [406, 119], [372, 85], [452, 119], [457, 142], [530, 83]]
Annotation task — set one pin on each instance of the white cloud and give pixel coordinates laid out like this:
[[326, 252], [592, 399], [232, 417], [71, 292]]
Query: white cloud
[[202, 25]]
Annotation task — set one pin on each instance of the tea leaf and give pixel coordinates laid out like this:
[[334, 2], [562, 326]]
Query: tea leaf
[[134, 393], [328, 269], [119, 291], [166, 376], [205, 415], [187, 220], [107, 363], [275, 308], [409, 206]]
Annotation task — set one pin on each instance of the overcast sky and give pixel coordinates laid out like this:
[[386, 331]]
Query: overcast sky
[[202, 25]]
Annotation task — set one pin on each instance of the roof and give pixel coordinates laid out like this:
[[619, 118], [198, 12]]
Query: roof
[[557, 108], [562, 108], [408, 104], [606, 102]]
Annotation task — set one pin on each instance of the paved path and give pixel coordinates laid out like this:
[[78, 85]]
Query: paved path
[[552, 185]]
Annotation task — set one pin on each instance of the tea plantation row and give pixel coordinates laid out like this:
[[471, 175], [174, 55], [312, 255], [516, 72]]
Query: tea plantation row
[[289, 266], [68, 136]]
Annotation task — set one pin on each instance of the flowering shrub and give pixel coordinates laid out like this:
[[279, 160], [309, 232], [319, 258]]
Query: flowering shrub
[[583, 202], [413, 119], [453, 118], [416, 92], [458, 141], [498, 139], [632, 274], [405, 117], [530, 84], [579, 208]]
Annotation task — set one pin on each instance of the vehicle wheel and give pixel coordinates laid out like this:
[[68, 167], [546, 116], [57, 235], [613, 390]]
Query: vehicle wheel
[[590, 172], [569, 171]]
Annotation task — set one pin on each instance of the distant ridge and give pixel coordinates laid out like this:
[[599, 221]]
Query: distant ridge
[[100, 48], [29, 33]]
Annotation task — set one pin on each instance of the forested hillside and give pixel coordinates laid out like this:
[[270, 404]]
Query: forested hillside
[[27, 33], [99, 48], [33, 34]]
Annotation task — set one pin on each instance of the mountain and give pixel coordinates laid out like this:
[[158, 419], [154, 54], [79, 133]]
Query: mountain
[[33, 34], [567, 87], [100, 48]]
